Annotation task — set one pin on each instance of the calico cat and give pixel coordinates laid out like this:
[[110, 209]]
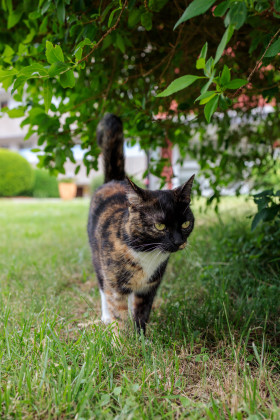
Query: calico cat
[[132, 233]]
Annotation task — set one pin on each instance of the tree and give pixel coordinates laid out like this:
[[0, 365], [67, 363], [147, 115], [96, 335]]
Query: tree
[[68, 62]]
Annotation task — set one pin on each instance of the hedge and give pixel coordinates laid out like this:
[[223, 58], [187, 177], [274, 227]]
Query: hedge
[[45, 185], [16, 174]]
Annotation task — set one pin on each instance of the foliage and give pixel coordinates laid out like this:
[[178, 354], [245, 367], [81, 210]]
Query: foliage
[[67, 63], [16, 174], [270, 176], [212, 349], [45, 185], [263, 245], [96, 182], [236, 15], [268, 203]]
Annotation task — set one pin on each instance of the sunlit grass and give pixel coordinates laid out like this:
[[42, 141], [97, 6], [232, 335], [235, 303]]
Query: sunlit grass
[[212, 348]]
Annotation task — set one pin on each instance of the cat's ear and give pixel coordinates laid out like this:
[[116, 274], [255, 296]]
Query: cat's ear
[[135, 194], [183, 193]]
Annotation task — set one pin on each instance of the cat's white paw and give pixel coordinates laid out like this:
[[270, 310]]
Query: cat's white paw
[[107, 320]]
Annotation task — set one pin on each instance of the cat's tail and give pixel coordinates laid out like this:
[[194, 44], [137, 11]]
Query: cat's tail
[[110, 139]]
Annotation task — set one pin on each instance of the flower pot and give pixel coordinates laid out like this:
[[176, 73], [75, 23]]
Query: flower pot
[[67, 190]]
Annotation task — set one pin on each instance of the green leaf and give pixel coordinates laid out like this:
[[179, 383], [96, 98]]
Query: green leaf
[[236, 84], [196, 8], [4, 74], [67, 79], [207, 85], [206, 100], [30, 36], [34, 15], [134, 17], [16, 112], [222, 45], [237, 14], [274, 49], [53, 54], [47, 94], [203, 52], [225, 77], [209, 66], [106, 11], [206, 97], [105, 399], [34, 112], [210, 108], [19, 82], [7, 82], [271, 212], [111, 17], [13, 19], [77, 169], [79, 48], [258, 218], [33, 70], [200, 63], [8, 54], [43, 28], [61, 11], [120, 43], [221, 9], [179, 84], [224, 103], [146, 21], [57, 68]]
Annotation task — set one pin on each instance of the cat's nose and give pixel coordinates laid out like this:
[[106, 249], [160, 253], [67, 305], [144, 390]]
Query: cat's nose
[[178, 239]]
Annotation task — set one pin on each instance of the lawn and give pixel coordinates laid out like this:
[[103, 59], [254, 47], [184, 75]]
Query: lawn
[[212, 349]]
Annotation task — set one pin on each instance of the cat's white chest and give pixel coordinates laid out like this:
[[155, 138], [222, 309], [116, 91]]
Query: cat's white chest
[[149, 262]]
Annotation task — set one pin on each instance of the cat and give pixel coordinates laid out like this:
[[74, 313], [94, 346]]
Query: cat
[[132, 232]]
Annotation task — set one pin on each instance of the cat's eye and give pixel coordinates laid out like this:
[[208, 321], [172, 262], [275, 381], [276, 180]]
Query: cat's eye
[[159, 226], [185, 225]]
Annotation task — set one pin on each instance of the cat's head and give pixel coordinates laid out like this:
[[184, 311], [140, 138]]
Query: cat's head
[[159, 219]]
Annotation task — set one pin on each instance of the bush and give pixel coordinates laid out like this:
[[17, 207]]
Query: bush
[[96, 182], [16, 174], [45, 185], [269, 178]]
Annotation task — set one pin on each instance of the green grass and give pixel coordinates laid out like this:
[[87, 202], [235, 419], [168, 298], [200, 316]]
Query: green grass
[[212, 348]]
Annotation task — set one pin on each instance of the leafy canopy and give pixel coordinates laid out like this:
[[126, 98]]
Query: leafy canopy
[[68, 62]]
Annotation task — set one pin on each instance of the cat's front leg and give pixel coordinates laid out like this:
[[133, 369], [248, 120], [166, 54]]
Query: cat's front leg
[[142, 305], [105, 314], [114, 307]]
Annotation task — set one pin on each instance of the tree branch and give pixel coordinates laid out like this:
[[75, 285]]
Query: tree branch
[[105, 35], [238, 91]]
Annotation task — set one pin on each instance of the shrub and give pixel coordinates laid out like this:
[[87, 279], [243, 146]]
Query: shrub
[[270, 176], [45, 185], [96, 182], [16, 174]]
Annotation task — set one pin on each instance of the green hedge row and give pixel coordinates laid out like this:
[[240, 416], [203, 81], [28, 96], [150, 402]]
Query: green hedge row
[[17, 177]]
